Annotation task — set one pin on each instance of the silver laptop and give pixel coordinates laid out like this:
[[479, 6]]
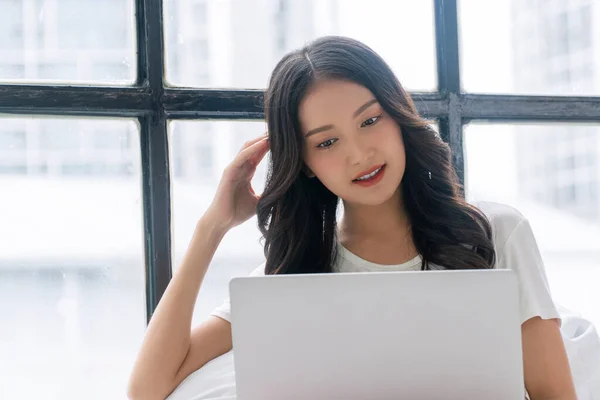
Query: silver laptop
[[390, 335]]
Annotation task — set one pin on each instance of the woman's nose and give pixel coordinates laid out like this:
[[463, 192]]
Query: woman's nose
[[359, 152]]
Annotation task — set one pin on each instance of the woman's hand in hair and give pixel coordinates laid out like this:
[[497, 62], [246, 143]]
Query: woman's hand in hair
[[235, 200]]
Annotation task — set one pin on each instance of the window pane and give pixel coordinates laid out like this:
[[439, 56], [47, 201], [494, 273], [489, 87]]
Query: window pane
[[551, 173], [200, 151], [236, 43], [73, 41], [530, 47], [72, 298]]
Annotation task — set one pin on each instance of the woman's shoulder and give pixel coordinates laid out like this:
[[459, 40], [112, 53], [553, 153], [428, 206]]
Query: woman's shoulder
[[260, 270], [224, 310], [503, 218]]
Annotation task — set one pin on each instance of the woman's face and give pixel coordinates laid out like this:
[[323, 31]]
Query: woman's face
[[347, 134]]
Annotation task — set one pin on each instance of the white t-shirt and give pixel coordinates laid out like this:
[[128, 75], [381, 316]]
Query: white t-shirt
[[515, 247]]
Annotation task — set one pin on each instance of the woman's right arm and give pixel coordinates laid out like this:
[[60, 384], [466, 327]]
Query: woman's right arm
[[171, 350]]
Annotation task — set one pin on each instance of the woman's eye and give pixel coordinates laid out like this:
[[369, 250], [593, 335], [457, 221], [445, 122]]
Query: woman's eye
[[327, 143], [370, 121]]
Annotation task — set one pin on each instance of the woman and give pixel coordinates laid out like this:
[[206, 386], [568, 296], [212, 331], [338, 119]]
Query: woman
[[342, 130]]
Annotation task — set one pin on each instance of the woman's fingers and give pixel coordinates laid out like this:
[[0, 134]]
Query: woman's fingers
[[251, 142], [253, 152]]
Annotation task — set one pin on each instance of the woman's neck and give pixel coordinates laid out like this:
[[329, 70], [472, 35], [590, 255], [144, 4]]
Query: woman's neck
[[378, 233], [387, 220]]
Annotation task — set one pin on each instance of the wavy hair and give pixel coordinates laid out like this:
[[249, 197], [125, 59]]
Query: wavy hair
[[297, 215]]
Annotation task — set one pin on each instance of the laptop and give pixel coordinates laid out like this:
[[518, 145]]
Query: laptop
[[450, 335]]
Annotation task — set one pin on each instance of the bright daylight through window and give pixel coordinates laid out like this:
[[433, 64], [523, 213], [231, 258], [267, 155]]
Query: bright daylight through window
[[106, 162]]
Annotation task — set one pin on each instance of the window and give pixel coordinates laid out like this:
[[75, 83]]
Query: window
[[73, 41], [258, 32], [13, 157], [528, 47], [57, 71], [12, 72], [11, 25], [556, 34], [198, 151], [199, 12], [65, 269], [580, 25], [280, 21], [194, 188], [556, 200], [111, 148], [104, 27]]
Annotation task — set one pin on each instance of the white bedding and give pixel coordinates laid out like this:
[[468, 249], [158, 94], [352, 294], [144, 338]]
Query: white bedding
[[583, 348], [216, 380]]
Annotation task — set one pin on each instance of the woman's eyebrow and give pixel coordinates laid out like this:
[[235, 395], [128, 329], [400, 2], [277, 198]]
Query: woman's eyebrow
[[355, 114], [318, 130], [364, 107]]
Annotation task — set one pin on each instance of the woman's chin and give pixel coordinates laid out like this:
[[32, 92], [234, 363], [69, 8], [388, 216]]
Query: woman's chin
[[372, 198]]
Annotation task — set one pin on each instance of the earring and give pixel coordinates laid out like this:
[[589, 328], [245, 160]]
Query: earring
[[429, 175]]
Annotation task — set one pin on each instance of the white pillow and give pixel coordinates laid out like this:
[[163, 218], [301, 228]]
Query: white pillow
[[214, 381], [583, 348]]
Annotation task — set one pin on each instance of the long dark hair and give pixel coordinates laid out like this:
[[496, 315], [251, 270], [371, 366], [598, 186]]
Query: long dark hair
[[297, 214]]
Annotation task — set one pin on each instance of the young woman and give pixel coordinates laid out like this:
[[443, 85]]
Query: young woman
[[342, 131]]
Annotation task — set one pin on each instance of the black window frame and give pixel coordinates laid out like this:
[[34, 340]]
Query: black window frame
[[153, 103]]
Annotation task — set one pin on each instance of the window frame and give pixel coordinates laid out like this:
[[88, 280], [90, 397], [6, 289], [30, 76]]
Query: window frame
[[153, 103]]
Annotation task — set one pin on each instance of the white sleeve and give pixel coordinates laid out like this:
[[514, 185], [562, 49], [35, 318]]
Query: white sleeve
[[224, 310], [521, 254]]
